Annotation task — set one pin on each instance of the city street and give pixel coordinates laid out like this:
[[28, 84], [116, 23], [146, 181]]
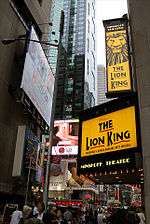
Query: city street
[[74, 112]]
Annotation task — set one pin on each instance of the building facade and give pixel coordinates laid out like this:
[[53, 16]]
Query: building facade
[[54, 32], [101, 85], [140, 31], [77, 60], [16, 19]]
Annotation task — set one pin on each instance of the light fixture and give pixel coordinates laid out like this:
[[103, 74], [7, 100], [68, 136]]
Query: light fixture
[[10, 41]]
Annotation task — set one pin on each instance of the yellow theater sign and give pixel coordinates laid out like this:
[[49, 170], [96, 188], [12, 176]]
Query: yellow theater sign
[[111, 132], [117, 56]]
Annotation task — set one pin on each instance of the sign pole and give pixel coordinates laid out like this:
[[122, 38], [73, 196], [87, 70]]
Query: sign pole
[[47, 175], [28, 181]]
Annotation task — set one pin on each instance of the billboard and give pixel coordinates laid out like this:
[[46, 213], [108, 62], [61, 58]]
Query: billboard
[[65, 137], [58, 175], [109, 138], [117, 56], [38, 80], [111, 132], [31, 148]]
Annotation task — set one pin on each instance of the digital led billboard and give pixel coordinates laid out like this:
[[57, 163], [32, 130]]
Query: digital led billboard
[[65, 137], [38, 80], [117, 56]]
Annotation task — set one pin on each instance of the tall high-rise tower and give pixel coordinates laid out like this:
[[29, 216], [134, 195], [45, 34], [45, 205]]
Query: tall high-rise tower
[[101, 85], [77, 60], [54, 33]]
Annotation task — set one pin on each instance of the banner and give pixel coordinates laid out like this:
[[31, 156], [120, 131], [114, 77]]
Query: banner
[[32, 143], [117, 56], [111, 132]]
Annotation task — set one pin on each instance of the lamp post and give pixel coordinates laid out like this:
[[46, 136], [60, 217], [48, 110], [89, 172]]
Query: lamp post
[[47, 176]]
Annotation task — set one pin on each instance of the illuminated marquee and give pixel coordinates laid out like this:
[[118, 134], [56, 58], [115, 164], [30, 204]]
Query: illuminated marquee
[[111, 132], [117, 56], [106, 163]]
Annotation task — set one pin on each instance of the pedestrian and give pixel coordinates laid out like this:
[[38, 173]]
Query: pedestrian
[[26, 214], [45, 216], [119, 216], [40, 210], [133, 218], [68, 215], [16, 215], [60, 218], [141, 215], [83, 218], [100, 217]]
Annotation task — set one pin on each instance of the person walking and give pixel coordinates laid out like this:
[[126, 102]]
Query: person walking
[[68, 216], [16, 215], [141, 215], [28, 218], [100, 217], [60, 218]]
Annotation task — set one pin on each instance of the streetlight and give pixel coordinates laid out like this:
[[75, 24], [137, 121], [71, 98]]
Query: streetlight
[[8, 41]]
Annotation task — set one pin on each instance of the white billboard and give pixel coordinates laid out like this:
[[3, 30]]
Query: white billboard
[[65, 137], [58, 176], [38, 80]]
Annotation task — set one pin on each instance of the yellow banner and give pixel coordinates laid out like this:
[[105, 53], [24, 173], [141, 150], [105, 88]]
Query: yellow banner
[[111, 132], [118, 67]]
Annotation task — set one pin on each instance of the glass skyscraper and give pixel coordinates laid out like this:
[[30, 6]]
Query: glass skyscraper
[[101, 85], [77, 60], [54, 33]]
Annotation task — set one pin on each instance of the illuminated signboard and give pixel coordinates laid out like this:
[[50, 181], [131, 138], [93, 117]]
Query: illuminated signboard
[[117, 56], [38, 80], [109, 137], [111, 132], [65, 137]]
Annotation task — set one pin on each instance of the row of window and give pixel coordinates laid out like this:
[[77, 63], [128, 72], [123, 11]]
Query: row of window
[[89, 9]]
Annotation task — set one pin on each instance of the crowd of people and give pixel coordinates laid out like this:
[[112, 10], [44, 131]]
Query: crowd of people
[[53, 215], [113, 216]]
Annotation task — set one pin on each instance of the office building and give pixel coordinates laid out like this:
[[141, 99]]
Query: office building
[[77, 60], [54, 33], [140, 29], [101, 85], [16, 20]]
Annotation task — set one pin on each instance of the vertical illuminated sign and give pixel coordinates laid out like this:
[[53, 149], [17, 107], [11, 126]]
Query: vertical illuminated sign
[[117, 57]]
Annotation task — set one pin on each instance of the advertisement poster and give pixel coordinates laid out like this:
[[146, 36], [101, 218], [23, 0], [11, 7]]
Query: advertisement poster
[[58, 175], [38, 80], [65, 137], [117, 56], [31, 149], [40, 163], [115, 131]]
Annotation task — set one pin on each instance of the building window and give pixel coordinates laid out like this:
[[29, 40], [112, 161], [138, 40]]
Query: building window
[[93, 81], [93, 41], [88, 8], [88, 26], [93, 60], [87, 66], [88, 45]]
